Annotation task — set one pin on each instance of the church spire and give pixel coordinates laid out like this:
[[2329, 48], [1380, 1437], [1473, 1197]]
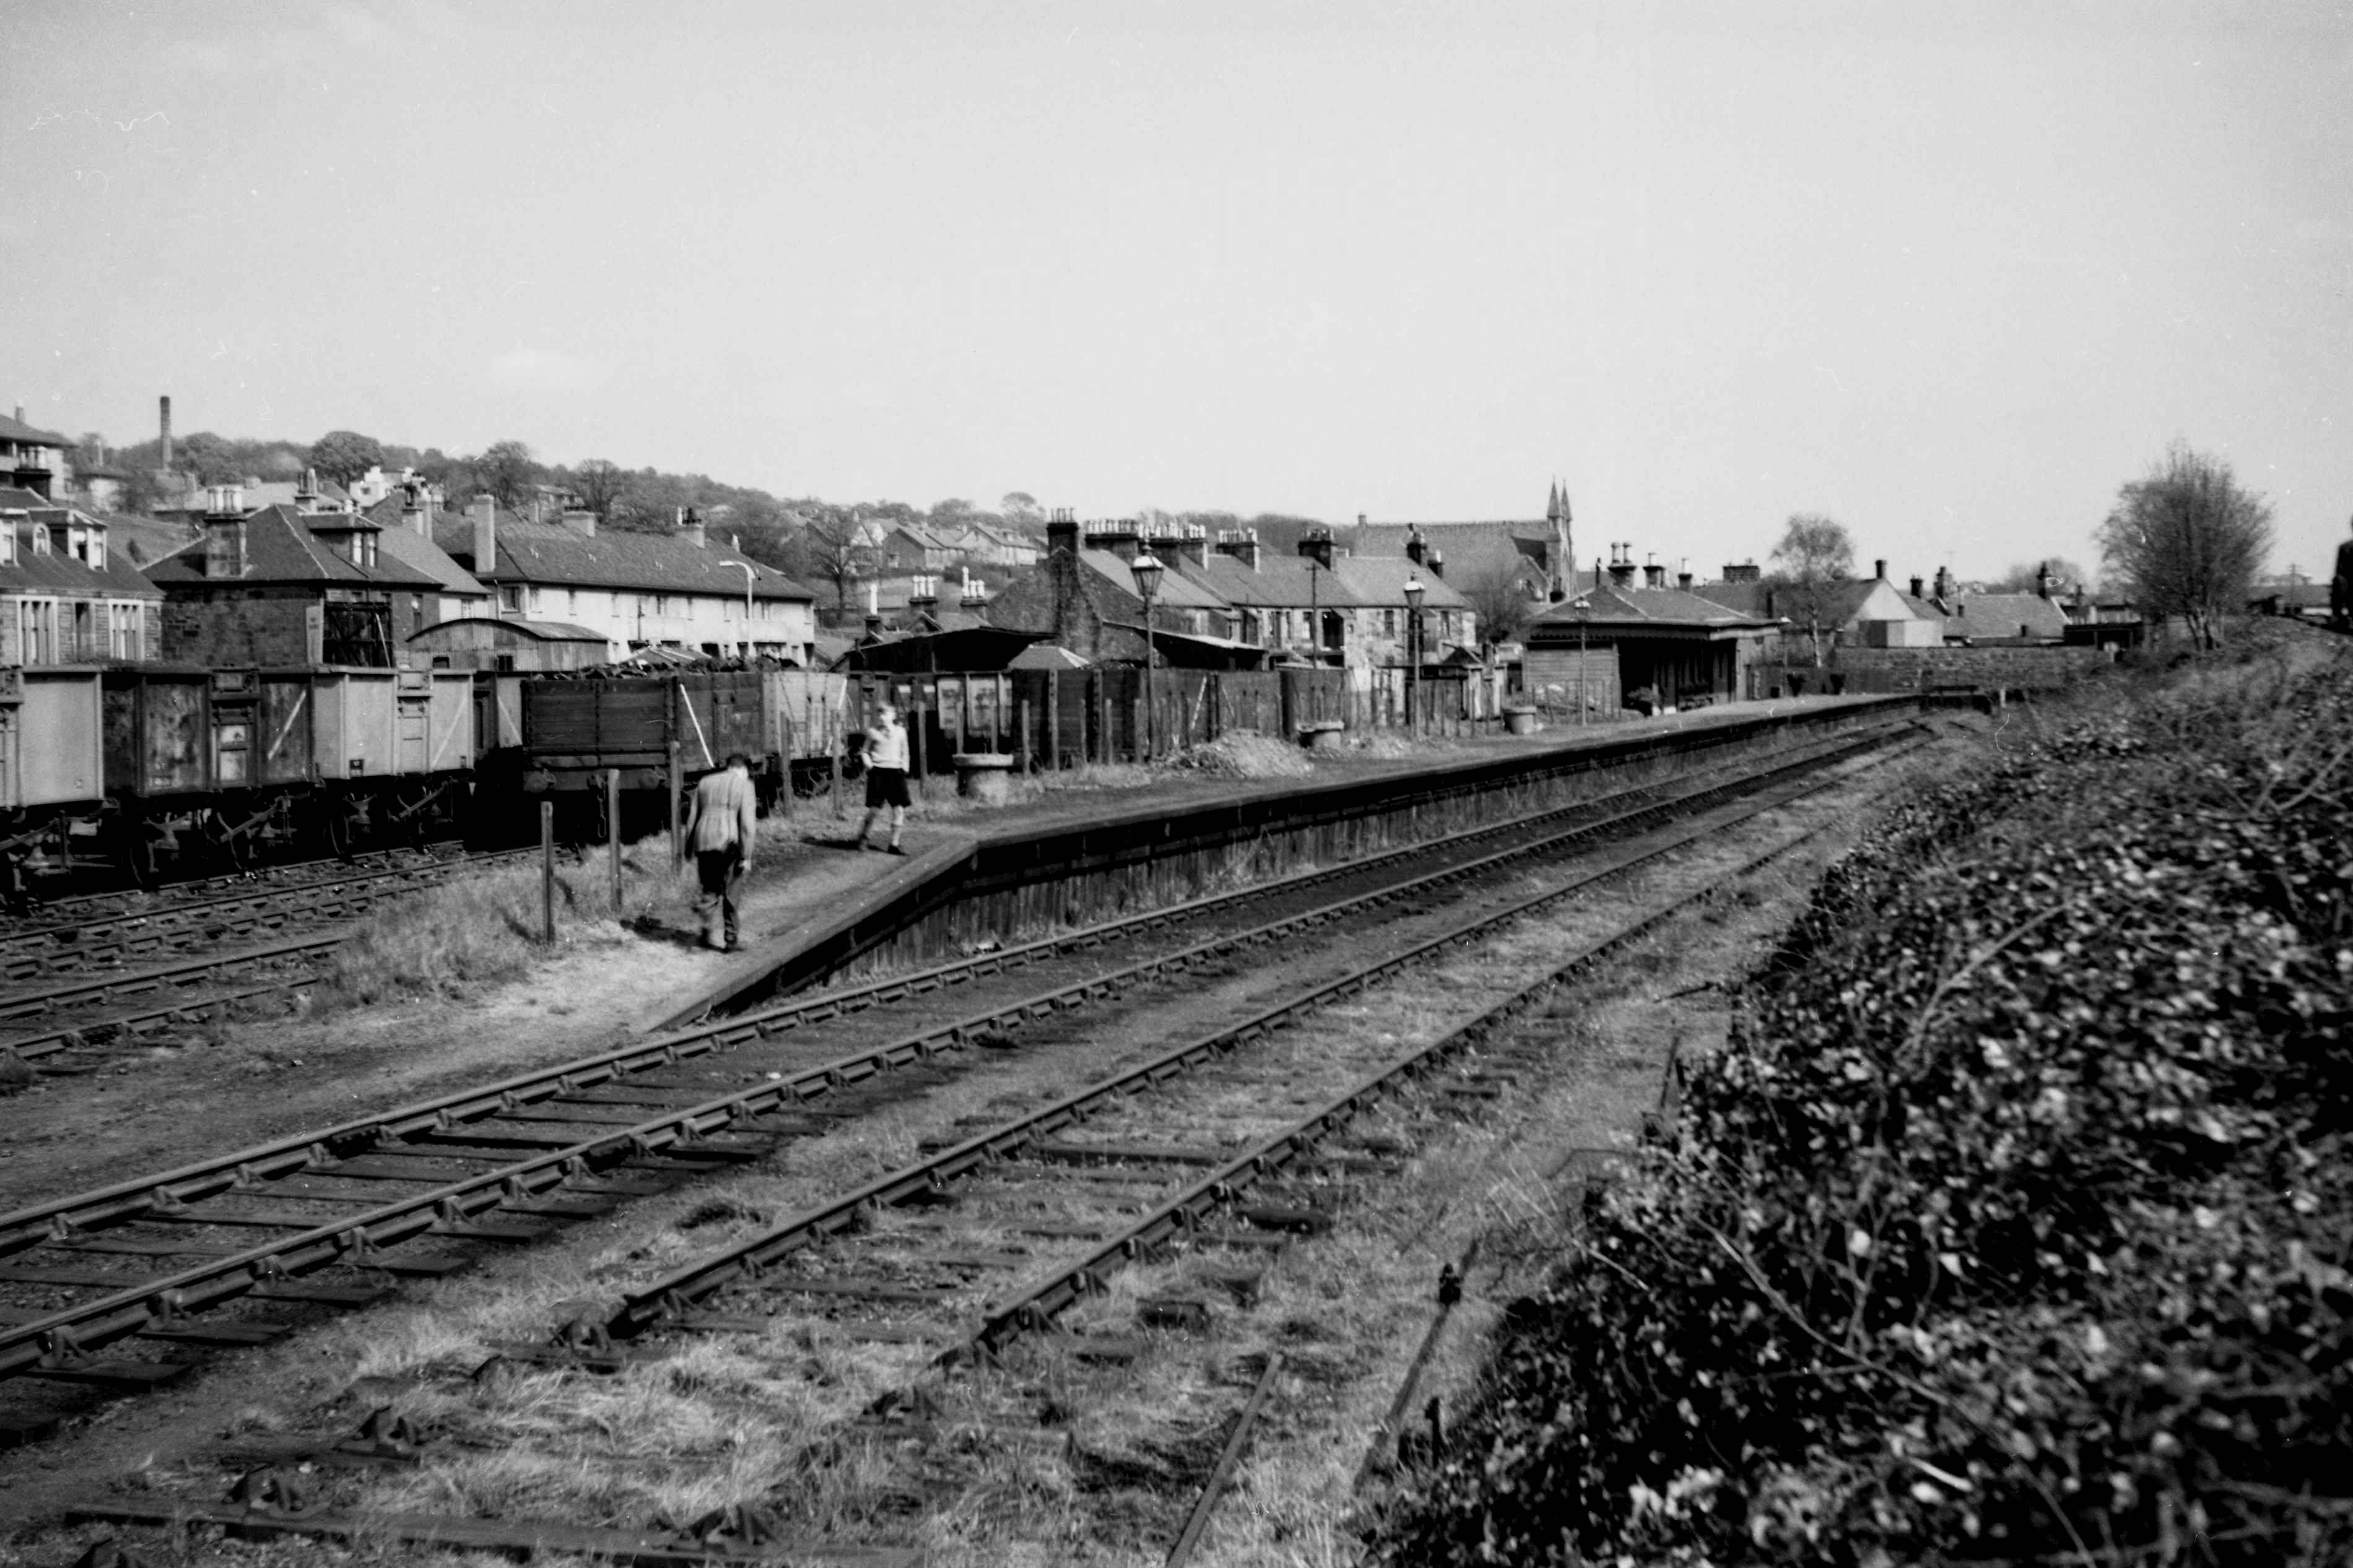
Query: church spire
[[1564, 547], [1552, 504]]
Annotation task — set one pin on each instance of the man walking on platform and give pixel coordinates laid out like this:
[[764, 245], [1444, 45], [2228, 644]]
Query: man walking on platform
[[886, 776], [723, 830]]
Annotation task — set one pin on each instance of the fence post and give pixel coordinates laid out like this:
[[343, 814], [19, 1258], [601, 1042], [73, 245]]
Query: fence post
[[915, 731], [1053, 720], [613, 829], [547, 871], [676, 830], [1024, 740]]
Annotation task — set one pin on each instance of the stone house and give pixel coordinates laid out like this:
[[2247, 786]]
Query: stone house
[[66, 595]]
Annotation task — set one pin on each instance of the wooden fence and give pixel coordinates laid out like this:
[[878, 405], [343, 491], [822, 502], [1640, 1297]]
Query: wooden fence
[[1061, 718]]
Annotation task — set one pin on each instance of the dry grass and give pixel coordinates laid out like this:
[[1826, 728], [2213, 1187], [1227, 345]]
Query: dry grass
[[1245, 755], [480, 930]]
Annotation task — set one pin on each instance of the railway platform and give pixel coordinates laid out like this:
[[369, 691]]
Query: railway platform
[[971, 876]]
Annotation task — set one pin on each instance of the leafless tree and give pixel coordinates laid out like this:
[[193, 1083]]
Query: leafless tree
[[600, 483], [2188, 541], [829, 546], [1500, 599], [1815, 553]]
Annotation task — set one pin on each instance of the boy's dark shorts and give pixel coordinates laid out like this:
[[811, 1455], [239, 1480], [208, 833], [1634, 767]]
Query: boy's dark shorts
[[887, 786]]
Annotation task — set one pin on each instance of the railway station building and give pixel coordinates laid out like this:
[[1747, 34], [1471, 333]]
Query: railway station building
[[1625, 642]]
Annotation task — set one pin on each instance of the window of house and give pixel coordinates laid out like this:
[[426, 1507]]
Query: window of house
[[1389, 623], [511, 598], [661, 604], [415, 609], [571, 601], [123, 641], [36, 627], [8, 544], [40, 540], [537, 601]]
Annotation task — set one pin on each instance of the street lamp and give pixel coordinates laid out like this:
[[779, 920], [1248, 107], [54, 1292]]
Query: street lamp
[[1413, 592], [1146, 568], [1583, 606]]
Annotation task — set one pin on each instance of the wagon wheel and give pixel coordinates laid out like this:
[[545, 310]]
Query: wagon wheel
[[230, 846], [139, 853], [339, 825]]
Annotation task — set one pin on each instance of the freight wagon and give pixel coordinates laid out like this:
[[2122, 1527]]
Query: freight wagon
[[658, 734], [162, 762]]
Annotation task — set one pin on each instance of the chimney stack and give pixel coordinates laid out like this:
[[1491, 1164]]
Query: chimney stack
[[1653, 575], [1437, 564], [1879, 570], [2042, 582], [690, 524], [1061, 533], [1415, 547], [1316, 544], [485, 513], [1116, 534], [1242, 544], [1916, 586], [1622, 565], [164, 410]]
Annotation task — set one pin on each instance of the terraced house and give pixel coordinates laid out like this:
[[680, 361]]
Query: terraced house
[[67, 596], [635, 591]]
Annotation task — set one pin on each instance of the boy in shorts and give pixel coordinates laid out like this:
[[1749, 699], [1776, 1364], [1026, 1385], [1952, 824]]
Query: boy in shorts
[[886, 777]]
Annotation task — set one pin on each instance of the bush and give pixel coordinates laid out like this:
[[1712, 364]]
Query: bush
[[2012, 1226]]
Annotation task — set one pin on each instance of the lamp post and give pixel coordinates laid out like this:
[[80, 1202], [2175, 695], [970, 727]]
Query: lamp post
[[1583, 605], [1146, 569], [1314, 614], [1413, 592]]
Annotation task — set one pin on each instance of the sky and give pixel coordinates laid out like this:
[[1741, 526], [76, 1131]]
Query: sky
[[1948, 274]]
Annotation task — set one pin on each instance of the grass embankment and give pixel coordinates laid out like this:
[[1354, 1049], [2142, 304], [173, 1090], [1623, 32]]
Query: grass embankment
[[2014, 1226], [480, 930]]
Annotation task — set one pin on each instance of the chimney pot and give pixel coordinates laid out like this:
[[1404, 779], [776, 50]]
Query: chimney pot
[[1879, 570], [1916, 586]]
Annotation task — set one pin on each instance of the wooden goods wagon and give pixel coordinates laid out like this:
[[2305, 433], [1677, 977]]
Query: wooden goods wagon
[[52, 761], [574, 731]]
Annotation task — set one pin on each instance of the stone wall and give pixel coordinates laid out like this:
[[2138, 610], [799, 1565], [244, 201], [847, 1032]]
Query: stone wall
[[1881, 669]]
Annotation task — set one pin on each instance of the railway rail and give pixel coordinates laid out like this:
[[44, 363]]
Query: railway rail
[[989, 1241], [505, 1163], [130, 900], [74, 967]]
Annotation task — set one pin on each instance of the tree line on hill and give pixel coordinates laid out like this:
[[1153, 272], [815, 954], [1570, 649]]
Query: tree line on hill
[[2185, 542]]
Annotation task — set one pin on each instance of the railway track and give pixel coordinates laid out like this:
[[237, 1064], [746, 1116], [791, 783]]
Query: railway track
[[98, 903], [61, 983], [1198, 1166], [327, 1216]]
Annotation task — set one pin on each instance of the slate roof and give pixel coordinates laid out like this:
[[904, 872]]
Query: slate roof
[[1379, 581], [17, 430], [1176, 590], [538, 631], [1473, 552], [280, 547], [412, 549], [1983, 615], [56, 572], [1616, 609], [1280, 581], [552, 555], [1840, 601]]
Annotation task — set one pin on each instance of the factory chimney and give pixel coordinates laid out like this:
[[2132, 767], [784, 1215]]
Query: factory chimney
[[163, 406]]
